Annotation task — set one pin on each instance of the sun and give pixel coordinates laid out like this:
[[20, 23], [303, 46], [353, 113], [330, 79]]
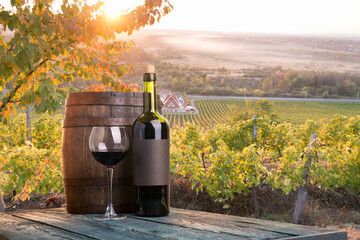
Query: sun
[[114, 8]]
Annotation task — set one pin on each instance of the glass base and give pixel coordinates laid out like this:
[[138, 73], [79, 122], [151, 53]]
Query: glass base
[[106, 217]]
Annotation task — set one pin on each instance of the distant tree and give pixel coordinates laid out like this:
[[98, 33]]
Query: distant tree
[[280, 75], [48, 49], [267, 84], [179, 84], [346, 88], [201, 80], [290, 75], [314, 79], [175, 84], [297, 82], [328, 79], [186, 98], [283, 85], [184, 83]]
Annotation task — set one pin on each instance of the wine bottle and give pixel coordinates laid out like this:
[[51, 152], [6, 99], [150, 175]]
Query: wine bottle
[[151, 154]]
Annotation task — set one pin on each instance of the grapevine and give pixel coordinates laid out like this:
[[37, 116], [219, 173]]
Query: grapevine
[[224, 161]]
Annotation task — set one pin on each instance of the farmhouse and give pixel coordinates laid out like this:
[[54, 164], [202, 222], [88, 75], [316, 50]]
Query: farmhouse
[[173, 103]]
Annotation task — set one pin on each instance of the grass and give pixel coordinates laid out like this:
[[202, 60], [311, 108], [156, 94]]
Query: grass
[[299, 112]]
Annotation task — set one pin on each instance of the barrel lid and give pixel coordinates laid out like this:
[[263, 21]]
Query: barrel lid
[[105, 98]]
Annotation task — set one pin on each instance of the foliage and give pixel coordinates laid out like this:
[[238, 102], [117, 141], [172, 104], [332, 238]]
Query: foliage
[[132, 87], [13, 134], [28, 169], [257, 108], [236, 136], [47, 50], [31, 167], [227, 160], [223, 161], [267, 84], [213, 165]]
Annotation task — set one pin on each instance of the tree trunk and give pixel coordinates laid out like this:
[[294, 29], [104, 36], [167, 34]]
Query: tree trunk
[[2, 204], [28, 122]]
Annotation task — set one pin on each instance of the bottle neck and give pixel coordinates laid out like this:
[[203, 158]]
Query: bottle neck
[[150, 97]]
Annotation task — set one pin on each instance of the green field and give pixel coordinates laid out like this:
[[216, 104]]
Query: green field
[[297, 112]]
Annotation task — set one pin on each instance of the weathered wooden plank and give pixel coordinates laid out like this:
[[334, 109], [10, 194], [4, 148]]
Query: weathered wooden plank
[[177, 232], [16, 228], [5, 235], [83, 225], [180, 224], [321, 236], [220, 221], [133, 225], [245, 232]]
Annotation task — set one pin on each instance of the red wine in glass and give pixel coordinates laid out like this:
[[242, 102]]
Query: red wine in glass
[[109, 159], [109, 145]]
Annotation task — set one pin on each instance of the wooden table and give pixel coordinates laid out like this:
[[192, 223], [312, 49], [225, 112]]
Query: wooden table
[[180, 224]]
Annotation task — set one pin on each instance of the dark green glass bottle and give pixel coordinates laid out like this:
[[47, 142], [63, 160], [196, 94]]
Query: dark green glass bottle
[[151, 154]]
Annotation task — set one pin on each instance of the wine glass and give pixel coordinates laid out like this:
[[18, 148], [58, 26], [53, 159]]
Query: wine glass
[[109, 145]]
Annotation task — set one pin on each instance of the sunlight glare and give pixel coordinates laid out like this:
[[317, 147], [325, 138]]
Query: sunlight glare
[[114, 8]]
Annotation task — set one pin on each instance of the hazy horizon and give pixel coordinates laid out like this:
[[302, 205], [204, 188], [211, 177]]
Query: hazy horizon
[[151, 29], [159, 30], [299, 17]]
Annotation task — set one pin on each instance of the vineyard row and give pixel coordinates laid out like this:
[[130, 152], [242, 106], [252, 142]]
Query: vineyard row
[[222, 111]]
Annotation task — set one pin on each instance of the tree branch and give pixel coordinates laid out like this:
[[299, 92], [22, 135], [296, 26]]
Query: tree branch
[[16, 88]]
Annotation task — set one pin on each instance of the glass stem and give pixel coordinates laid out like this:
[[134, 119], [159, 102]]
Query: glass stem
[[109, 209]]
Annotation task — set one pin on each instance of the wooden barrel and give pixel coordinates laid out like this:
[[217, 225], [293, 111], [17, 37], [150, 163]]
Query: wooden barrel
[[84, 178]]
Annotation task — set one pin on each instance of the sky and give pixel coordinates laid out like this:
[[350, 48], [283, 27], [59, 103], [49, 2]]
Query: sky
[[259, 16], [269, 16]]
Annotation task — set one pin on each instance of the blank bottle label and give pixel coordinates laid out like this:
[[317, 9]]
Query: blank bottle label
[[151, 162]]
